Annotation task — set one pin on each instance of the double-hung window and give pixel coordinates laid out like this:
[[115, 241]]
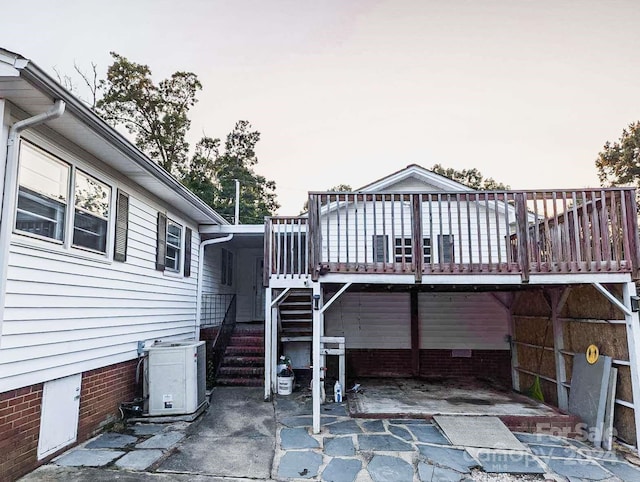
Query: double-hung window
[[43, 194], [47, 189], [174, 244]]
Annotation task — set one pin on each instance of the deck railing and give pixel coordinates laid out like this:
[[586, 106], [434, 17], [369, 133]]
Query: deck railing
[[553, 231]]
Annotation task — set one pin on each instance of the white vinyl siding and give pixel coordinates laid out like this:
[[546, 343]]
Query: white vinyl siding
[[477, 232], [462, 320], [447, 321], [371, 320], [67, 314]]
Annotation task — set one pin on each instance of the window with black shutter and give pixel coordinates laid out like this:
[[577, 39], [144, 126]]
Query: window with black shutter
[[122, 227], [187, 252], [161, 244]]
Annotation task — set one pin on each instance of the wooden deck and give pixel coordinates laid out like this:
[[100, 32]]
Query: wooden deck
[[460, 233]]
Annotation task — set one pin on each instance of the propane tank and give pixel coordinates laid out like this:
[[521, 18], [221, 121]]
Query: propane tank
[[337, 392]]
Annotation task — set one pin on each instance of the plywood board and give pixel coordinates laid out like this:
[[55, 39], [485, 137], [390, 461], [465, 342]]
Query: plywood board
[[607, 435], [588, 394], [484, 432]]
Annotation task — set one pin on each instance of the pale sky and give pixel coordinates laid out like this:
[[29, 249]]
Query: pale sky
[[345, 92]]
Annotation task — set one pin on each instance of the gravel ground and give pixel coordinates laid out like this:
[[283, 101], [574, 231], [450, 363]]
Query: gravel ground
[[484, 477]]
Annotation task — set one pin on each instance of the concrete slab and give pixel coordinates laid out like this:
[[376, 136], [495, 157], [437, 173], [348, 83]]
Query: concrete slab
[[342, 470], [347, 427], [297, 438], [487, 432], [409, 421], [111, 440], [375, 426], [431, 473], [383, 443], [294, 406], [237, 412], [456, 459], [88, 458], [339, 446], [448, 397], [428, 434], [401, 432], [306, 420], [299, 465], [161, 440], [588, 394], [555, 451], [139, 459], [507, 462], [622, 469], [384, 468], [146, 429], [577, 468], [249, 457]]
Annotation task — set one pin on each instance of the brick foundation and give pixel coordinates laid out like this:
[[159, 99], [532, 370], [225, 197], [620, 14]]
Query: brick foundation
[[493, 364], [101, 394]]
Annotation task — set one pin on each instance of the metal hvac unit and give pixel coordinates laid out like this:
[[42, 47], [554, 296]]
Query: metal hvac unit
[[175, 375]]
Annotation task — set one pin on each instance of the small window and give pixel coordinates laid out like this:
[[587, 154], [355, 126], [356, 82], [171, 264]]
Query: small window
[[226, 267], [446, 248], [91, 217], [403, 250], [174, 246], [42, 194], [380, 248]]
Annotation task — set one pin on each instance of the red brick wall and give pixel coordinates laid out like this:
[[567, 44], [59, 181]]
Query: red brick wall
[[102, 392], [495, 364], [19, 429]]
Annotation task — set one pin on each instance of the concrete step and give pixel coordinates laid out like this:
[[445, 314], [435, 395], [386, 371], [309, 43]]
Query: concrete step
[[240, 372], [243, 361], [240, 382]]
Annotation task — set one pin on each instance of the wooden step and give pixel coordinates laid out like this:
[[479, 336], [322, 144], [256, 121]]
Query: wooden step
[[241, 372], [240, 382], [244, 350], [243, 361], [246, 340]]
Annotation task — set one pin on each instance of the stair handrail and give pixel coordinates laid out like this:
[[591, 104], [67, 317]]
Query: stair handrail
[[221, 341]]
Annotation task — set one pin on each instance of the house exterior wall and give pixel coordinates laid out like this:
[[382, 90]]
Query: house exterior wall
[[247, 284], [348, 233], [102, 392]]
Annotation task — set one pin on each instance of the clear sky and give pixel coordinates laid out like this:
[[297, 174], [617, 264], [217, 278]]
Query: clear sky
[[345, 91]]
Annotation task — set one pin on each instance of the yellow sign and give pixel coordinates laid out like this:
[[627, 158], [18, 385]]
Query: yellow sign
[[592, 354]]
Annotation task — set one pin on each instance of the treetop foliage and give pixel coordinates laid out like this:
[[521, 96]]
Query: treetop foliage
[[472, 178], [619, 162]]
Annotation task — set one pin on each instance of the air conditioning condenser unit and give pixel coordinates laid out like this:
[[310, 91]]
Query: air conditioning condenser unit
[[175, 377]]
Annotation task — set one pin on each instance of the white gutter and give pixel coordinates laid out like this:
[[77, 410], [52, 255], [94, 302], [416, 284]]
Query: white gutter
[[203, 245], [11, 188]]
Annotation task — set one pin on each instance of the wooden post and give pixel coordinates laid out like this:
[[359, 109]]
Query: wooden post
[[266, 272], [415, 333], [558, 299], [632, 233], [416, 235], [314, 237], [523, 235], [515, 373], [267, 345], [317, 369], [633, 343]]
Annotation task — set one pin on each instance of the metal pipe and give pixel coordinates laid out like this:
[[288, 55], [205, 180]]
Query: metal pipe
[[237, 214], [11, 187], [204, 244]]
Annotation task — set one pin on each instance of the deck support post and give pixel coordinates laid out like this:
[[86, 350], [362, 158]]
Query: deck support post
[[318, 317], [633, 343], [275, 331], [267, 345], [558, 299], [515, 373]]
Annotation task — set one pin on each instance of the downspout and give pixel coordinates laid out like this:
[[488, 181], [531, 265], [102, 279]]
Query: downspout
[[203, 245], [11, 187]]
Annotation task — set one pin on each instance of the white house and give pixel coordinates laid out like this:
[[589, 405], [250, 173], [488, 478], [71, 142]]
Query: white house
[[99, 252]]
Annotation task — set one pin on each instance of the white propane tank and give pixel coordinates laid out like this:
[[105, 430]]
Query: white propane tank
[[337, 392]]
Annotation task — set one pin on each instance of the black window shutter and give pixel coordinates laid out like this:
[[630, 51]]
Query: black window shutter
[[122, 227], [187, 252], [161, 246]]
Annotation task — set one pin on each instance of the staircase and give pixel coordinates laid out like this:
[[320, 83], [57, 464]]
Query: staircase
[[296, 315], [243, 361]]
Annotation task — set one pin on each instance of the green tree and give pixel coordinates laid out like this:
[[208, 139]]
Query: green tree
[[258, 198], [338, 188], [619, 162], [471, 178], [157, 115]]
